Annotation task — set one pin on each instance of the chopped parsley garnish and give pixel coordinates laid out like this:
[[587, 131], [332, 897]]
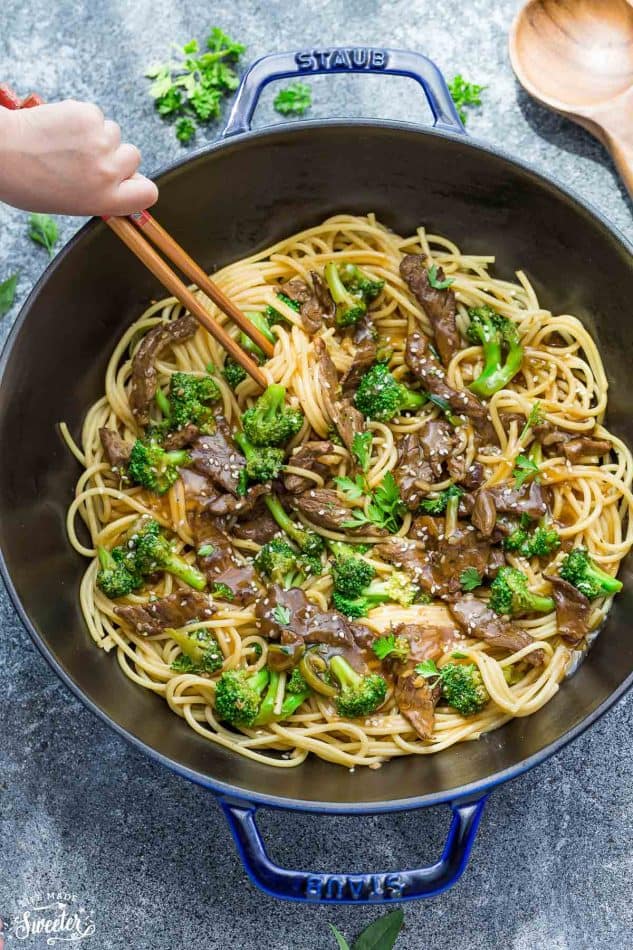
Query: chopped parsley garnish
[[295, 99], [7, 293], [464, 94], [281, 614], [470, 579], [191, 86], [391, 645], [43, 230], [427, 668], [361, 448], [534, 418], [352, 488], [385, 510], [525, 469], [206, 550], [438, 284]]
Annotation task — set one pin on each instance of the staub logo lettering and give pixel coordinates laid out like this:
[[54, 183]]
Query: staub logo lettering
[[361, 57], [338, 887]]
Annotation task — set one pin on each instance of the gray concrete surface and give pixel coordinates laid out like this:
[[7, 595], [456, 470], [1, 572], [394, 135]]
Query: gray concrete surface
[[148, 855]]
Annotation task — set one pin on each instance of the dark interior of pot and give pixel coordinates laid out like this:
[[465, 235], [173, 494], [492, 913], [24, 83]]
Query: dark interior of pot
[[223, 205]]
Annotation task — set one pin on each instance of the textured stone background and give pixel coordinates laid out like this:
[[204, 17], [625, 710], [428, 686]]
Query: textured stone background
[[149, 854]]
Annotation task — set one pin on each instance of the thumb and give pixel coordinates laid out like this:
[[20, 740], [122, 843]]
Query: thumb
[[133, 194]]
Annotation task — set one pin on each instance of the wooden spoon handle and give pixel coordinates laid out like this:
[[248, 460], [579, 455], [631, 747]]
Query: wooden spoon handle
[[615, 129], [622, 153]]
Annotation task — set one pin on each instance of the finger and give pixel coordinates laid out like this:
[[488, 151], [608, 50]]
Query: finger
[[112, 133], [133, 194], [127, 159]]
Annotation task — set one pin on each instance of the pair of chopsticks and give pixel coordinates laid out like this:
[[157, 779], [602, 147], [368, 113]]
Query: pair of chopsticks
[[139, 231]]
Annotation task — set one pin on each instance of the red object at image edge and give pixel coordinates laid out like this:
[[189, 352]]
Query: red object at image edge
[[9, 99]]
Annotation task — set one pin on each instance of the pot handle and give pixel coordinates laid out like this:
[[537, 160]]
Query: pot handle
[[358, 59], [316, 887]]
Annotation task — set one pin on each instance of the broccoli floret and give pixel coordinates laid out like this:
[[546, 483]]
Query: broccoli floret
[[578, 569], [291, 701], [222, 591], [189, 396], [237, 696], [233, 373], [269, 422], [397, 588], [541, 542], [495, 334], [359, 282], [263, 462], [114, 578], [149, 550], [350, 305], [396, 648], [380, 396], [351, 573], [308, 542], [285, 567], [153, 468], [260, 321], [445, 503], [461, 683], [359, 695], [273, 316], [296, 683], [509, 594], [201, 651]]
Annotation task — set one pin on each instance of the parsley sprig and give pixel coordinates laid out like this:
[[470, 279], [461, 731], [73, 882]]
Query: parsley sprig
[[385, 510], [434, 280], [190, 87], [470, 579], [7, 293], [525, 469], [534, 418], [295, 99], [43, 230], [464, 94], [361, 448]]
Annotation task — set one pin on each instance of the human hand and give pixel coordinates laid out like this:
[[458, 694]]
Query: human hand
[[66, 158]]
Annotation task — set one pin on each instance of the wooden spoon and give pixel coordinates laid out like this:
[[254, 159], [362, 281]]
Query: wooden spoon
[[576, 57]]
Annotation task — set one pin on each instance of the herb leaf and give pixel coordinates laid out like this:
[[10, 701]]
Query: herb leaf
[[281, 614], [43, 230], [525, 469], [352, 488], [340, 939], [295, 99], [427, 668], [205, 550], [534, 418], [385, 509], [464, 94], [361, 448], [470, 578], [7, 293], [382, 933], [438, 284]]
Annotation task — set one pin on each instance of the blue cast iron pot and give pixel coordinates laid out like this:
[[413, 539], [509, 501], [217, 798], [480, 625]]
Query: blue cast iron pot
[[246, 192]]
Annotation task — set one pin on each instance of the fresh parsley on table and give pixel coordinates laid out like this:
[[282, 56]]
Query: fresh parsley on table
[[464, 94], [380, 935], [295, 99], [43, 230], [7, 293]]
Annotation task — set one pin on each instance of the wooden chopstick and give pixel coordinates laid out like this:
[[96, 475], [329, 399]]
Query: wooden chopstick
[[125, 230], [150, 227]]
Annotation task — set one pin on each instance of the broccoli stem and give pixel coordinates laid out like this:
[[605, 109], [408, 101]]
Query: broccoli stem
[[344, 672], [493, 378], [106, 561], [452, 509], [258, 320], [284, 521], [186, 572], [610, 584], [163, 403], [289, 705]]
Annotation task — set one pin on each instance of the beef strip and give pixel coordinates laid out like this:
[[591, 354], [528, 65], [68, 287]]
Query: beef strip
[[260, 527], [181, 438], [527, 500], [225, 504], [306, 621], [175, 610], [242, 581], [484, 513], [578, 449], [144, 376], [472, 478], [413, 474], [477, 620], [416, 699], [323, 507], [572, 610], [347, 419], [307, 456], [216, 457], [429, 371], [117, 450], [496, 561], [318, 308], [439, 305], [437, 439], [297, 289], [364, 338], [209, 538]]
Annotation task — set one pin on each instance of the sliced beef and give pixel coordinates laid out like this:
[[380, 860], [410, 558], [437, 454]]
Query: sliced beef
[[181, 438], [528, 500], [496, 561], [144, 376], [477, 620], [297, 289], [214, 552], [347, 419], [425, 643], [307, 456], [176, 610], [484, 513], [225, 504], [364, 338], [439, 305], [431, 374], [578, 449], [242, 581], [216, 457], [306, 621], [259, 527], [572, 610], [437, 439], [549, 436], [472, 478], [413, 474], [322, 506], [408, 556], [318, 309], [416, 699], [117, 450]]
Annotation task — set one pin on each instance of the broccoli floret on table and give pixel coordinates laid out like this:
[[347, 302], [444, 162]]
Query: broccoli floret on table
[[495, 334], [380, 396], [578, 569]]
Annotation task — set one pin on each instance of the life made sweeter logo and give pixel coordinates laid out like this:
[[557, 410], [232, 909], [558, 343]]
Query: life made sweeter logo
[[54, 917]]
